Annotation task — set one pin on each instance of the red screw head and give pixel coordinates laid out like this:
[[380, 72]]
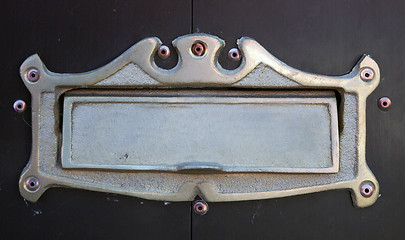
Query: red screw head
[[198, 49], [366, 190], [234, 54], [384, 103], [19, 106], [32, 75], [164, 52], [31, 184], [200, 207], [367, 74]]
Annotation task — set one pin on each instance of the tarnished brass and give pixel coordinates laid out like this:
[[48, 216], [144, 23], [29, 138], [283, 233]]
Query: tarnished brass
[[71, 111]]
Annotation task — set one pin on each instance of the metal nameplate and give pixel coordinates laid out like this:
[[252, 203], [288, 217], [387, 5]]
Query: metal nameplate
[[262, 130]]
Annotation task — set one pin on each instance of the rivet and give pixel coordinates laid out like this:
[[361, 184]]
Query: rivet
[[366, 189], [19, 106], [33, 75], [198, 49], [164, 52], [200, 207], [384, 103], [32, 184], [234, 54], [367, 74]]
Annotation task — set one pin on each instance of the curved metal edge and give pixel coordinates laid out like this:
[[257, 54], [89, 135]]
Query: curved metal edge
[[192, 71], [189, 190], [254, 54]]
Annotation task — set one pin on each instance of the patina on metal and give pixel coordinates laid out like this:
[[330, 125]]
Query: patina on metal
[[135, 71]]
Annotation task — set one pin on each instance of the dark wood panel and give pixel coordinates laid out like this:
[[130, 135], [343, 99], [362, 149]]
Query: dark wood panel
[[326, 37], [77, 36]]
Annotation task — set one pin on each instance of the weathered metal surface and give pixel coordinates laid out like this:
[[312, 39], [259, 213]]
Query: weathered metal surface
[[258, 70], [231, 134]]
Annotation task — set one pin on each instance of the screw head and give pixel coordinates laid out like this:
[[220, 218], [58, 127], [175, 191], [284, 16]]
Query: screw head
[[234, 54], [200, 207], [164, 52], [198, 49], [19, 106], [367, 189], [33, 75], [367, 74], [31, 184], [384, 103]]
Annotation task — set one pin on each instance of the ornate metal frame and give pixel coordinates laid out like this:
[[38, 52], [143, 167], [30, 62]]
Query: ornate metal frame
[[136, 69]]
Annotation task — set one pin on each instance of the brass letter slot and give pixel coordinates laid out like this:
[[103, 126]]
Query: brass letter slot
[[262, 130]]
